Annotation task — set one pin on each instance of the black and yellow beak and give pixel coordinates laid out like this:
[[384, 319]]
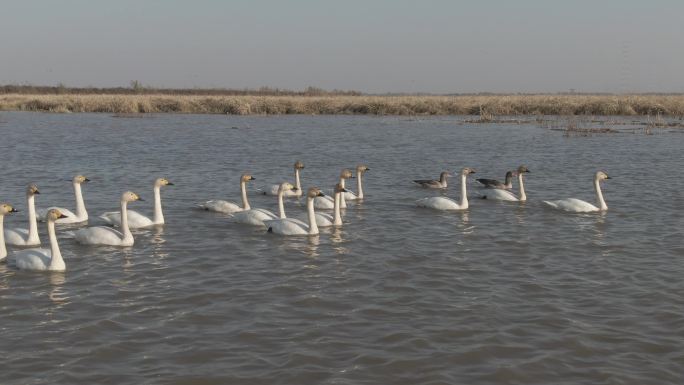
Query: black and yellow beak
[[61, 216], [170, 184], [320, 194], [14, 210], [140, 199], [86, 180]]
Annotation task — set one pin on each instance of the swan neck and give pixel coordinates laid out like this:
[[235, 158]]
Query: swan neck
[[464, 196], [3, 248], [343, 202], [158, 215], [313, 226], [359, 184], [124, 220], [599, 195], [81, 212], [337, 217], [56, 261], [298, 183], [523, 196], [281, 204], [243, 190], [33, 222], [509, 180]]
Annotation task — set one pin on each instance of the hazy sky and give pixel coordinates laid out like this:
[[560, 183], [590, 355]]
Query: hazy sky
[[367, 45]]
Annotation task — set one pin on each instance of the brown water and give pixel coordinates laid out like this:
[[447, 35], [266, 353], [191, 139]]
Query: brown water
[[503, 293]]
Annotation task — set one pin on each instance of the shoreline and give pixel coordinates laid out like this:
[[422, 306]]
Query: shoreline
[[485, 106]]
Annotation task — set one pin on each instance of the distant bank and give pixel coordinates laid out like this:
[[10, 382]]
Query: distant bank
[[349, 104]]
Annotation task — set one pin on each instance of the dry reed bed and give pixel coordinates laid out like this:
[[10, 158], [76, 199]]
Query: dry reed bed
[[668, 105]]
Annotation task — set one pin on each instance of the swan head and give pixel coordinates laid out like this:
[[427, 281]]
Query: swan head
[[130, 196], [601, 175], [362, 168], [32, 189], [6, 208], [246, 178], [162, 182], [81, 179], [521, 170], [315, 192], [444, 174], [298, 165], [285, 186], [346, 174], [340, 189], [54, 214], [467, 171]]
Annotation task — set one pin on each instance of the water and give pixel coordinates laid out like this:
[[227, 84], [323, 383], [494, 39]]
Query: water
[[503, 293]]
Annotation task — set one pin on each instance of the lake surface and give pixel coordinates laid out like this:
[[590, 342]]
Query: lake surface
[[500, 294]]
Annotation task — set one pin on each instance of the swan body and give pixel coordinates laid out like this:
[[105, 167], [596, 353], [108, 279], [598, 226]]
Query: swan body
[[501, 195], [26, 237], [226, 207], [137, 220], [325, 202], [506, 195], [443, 203], [107, 236], [5, 209], [256, 217], [327, 220], [273, 189], [493, 183], [81, 214], [43, 259], [351, 196], [431, 183], [575, 205], [288, 226]]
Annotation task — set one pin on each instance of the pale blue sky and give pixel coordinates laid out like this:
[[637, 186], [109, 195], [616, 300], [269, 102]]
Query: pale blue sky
[[374, 46]]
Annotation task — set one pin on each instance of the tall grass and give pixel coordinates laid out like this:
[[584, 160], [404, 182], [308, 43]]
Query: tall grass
[[491, 105]]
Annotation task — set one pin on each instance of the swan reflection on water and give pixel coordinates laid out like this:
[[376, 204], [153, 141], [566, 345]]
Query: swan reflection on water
[[58, 295]]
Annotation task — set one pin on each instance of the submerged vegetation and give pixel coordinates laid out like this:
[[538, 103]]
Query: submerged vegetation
[[315, 101]]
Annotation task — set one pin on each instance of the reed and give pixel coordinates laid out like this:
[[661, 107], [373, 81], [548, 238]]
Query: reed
[[486, 106]]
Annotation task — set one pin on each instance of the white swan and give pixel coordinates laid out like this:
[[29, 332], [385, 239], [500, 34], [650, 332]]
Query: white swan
[[24, 237], [69, 217], [360, 171], [226, 207], [431, 183], [506, 195], [287, 226], [273, 189], [327, 220], [493, 183], [137, 220], [579, 206], [107, 236], [442, 203], [5, 209], [328, 203], [256, 217], [43, 259]]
